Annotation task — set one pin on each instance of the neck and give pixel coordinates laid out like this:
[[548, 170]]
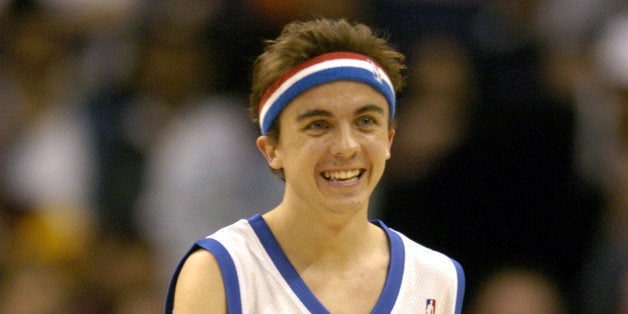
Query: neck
[[308, 237]]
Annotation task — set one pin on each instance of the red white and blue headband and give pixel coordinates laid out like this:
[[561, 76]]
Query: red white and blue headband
[[329, 67]]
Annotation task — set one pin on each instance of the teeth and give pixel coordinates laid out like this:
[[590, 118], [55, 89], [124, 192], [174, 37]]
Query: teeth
[[341, 175]]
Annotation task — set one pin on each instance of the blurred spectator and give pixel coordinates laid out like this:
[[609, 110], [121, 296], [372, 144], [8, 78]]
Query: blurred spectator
[[567, 29], [404, 20], [37, 289], [170, 69], [178, 157], [46, 161], [504, 195], [46, 148], [50, 227], [519, 291], [506, 51], [433, 117], [606, 274], [204, 172]]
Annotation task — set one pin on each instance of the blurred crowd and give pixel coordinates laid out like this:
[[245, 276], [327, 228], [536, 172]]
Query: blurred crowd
[[125, 137]]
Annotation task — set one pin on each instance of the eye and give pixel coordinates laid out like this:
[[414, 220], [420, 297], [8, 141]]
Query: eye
[[366, 121], [318, 125]]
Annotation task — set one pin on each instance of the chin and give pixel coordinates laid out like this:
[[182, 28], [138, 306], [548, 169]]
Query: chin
[[349, 207]]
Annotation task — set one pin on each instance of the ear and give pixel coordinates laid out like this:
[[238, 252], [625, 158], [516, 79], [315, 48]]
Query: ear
[[269, 150], [391, 135]]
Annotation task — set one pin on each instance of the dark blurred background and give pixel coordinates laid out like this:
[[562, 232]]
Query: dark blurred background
[[124, 138]]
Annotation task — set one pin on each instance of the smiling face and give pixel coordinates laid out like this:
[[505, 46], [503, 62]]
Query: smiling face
[[334, 143]]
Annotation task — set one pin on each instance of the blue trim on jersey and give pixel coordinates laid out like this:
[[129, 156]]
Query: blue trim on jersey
[[284, 266], [227, 269], [228, 272], [389, 293], [392, 286], [461, 286]]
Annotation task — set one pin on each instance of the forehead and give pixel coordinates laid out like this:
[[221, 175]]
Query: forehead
[[337, 97]]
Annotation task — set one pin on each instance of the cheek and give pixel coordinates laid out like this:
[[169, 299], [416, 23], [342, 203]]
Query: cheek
[[381, 150], [296, 151], [308, 152]]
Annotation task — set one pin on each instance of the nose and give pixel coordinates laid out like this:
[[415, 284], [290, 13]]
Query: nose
[[345, 144]]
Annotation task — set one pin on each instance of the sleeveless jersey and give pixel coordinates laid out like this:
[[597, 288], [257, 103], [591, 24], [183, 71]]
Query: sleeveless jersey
[[259, 278]]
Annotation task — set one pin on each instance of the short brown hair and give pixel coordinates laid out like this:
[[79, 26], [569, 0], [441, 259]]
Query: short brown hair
[[301, 41]]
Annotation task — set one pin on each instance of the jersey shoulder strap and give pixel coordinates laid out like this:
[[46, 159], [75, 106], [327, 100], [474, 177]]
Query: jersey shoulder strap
[[227, 269]]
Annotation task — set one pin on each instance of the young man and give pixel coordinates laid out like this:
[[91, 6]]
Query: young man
[[324, 96]]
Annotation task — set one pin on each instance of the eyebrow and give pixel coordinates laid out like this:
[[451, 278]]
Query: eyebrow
[[314, 113], [368, 108], [325, 113]]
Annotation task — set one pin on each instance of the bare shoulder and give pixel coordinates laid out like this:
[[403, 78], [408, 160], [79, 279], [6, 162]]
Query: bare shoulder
[[200, 287]]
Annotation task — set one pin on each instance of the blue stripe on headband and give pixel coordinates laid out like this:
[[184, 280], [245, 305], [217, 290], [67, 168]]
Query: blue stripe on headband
[[325, 76]]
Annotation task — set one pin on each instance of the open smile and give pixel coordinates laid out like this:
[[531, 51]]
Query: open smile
[[345, 176]]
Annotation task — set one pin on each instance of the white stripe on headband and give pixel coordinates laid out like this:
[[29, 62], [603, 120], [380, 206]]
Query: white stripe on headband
[[325, 68]]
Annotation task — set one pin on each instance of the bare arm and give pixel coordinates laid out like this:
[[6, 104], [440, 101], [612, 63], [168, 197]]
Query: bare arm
[[200, 288]]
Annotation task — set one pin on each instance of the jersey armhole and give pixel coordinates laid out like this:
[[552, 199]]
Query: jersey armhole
[[227, 270], [461, 280]]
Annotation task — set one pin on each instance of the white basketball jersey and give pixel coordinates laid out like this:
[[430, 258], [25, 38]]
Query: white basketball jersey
[[259, 278]]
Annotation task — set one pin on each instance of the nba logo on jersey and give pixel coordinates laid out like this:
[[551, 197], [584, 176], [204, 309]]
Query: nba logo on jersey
[[430, 306]]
